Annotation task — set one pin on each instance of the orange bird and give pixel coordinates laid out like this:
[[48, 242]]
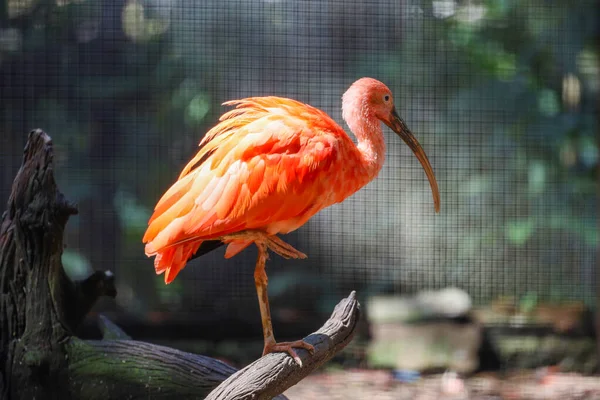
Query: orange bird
[[266, 168]]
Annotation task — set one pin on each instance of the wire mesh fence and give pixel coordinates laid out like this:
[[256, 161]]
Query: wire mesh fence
[[502, 96]]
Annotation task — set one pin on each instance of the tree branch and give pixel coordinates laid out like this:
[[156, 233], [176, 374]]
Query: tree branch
[[276, 372], [110, 369], [116, 369], [110, 331]]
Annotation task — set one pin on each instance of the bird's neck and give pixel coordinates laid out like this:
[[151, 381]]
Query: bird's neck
[[371, 144]]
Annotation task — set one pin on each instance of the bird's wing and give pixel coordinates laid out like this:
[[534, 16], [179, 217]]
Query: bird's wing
[[268, 161]]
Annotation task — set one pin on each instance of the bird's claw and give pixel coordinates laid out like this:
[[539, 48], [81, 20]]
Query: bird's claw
[[288, 347]]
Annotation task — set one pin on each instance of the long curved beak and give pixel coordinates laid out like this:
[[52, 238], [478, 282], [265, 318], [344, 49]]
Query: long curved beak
[[399, 126]]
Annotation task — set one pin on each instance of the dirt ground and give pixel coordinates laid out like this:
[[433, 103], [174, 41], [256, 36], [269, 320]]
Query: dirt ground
[[381, 385]]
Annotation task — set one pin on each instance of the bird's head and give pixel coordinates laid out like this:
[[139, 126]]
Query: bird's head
[[373, 100]]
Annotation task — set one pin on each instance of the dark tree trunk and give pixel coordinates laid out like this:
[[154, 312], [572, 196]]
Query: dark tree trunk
[[40, 308], [32, 279]]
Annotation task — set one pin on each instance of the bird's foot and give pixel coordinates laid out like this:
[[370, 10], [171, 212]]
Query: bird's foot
[[288, 347], [285, 250], [273, 243]]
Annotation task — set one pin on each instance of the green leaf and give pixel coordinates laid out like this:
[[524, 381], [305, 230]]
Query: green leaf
[[588, 150], [197, 109], [519, 231], [548, 103], [528, 302], [76, 266], [131, 213], [476, 185], [537, 177]]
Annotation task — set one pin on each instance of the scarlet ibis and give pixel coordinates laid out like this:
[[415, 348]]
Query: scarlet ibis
[[266, 168]]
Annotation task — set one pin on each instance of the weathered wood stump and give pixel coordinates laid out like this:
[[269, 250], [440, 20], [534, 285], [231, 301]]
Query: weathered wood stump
[[40, 309]]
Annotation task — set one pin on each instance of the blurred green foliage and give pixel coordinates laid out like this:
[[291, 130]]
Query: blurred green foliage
[[503, 95]]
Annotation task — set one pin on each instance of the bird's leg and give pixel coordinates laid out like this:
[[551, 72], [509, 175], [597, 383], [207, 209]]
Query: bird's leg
[[261, 281]]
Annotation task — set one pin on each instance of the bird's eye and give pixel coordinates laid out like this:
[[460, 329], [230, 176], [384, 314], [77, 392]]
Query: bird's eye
[[386, 98]]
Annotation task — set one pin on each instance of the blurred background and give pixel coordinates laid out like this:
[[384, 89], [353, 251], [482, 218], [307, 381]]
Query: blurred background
[[501, 94]]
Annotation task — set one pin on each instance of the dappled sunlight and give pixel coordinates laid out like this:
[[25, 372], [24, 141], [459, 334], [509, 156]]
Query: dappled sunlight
[[136, 24]]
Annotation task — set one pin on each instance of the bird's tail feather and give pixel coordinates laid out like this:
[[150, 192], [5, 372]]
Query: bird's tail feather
[[171, 260]]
